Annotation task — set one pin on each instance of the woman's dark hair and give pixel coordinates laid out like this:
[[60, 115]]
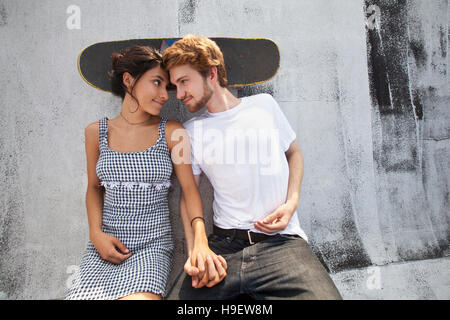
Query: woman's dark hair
[[135, 60]]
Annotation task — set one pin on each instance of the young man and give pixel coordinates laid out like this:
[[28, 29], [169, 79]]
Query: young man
[[247, 149]]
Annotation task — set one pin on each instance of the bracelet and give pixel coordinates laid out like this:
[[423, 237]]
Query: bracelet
[[197, 218]]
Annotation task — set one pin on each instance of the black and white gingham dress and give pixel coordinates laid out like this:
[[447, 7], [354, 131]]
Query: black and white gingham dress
[[136, 212]]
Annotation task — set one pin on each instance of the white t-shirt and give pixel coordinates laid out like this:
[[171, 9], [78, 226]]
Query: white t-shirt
[[242, 152]]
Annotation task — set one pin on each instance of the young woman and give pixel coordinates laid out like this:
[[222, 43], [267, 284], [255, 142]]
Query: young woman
[[129, 165]]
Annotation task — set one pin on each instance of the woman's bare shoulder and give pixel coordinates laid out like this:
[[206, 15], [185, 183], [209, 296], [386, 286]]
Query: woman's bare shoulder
[[91, 132], [172, 125], [92, 128]]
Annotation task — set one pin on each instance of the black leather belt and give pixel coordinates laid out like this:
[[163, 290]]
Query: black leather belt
[[247, 235]]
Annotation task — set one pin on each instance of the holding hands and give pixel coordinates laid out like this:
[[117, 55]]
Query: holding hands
[[205, 267]]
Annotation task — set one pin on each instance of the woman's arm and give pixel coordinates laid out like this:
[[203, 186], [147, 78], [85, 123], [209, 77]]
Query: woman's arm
[[200, 255], [104, 243], [188, 232], [94, 192]]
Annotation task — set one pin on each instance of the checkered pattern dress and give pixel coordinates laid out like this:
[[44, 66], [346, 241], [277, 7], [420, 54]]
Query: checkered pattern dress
[[136, 212]]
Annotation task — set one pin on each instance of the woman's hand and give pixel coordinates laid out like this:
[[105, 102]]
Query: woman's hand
[[110, 248]]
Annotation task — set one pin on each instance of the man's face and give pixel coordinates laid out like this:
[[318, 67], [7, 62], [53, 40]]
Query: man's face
[[192, 88]]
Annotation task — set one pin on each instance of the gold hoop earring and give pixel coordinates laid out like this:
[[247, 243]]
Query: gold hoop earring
[[131, 95], [134, 110]]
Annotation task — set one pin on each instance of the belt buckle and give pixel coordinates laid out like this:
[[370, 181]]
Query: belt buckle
[[249, 237]]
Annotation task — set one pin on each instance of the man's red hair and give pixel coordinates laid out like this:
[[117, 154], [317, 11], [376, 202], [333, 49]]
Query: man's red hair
[[200, 52]]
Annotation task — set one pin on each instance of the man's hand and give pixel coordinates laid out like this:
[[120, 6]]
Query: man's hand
[[110, 248], [210, 271], [220, 265], [276, 221]]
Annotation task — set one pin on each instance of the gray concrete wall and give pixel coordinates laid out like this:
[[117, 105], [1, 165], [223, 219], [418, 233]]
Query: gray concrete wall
[[363, 83]]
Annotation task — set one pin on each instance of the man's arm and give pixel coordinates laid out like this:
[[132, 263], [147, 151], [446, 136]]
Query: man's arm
[[295, 160], [279, 219]]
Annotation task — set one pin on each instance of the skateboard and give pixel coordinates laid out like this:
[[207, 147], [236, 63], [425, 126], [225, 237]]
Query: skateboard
[[248, 61]]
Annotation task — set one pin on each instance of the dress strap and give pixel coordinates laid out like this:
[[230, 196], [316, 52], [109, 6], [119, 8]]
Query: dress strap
[[102, 130], [162, 127]]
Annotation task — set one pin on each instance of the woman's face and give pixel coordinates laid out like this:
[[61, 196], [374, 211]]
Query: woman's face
[[151, 90]]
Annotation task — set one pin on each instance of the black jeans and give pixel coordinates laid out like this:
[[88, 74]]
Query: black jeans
[[281, 267]]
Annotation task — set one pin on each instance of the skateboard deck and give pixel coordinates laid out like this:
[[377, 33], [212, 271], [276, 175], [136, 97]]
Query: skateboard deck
[[247, 61]]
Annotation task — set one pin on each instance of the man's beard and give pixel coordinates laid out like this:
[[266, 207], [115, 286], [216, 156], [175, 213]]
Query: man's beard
[[207, 94]]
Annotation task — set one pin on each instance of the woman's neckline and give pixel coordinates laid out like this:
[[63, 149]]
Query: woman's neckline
[[132, 152]]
